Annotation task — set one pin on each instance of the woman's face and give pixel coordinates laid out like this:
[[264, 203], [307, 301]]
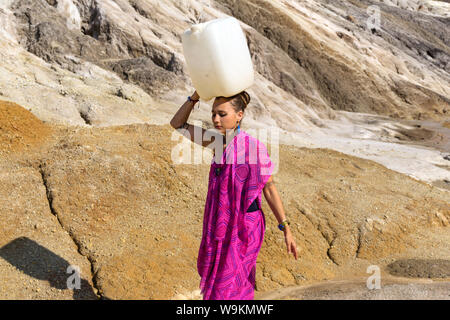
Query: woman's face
[[224, 116]]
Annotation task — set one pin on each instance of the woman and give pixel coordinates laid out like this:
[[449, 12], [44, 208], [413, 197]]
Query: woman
[[234, 223]]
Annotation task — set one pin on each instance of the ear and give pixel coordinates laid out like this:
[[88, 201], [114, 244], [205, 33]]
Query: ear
[[240, 115]]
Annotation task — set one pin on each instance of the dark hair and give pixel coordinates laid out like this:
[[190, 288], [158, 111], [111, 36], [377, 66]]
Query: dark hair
[[239, 100]]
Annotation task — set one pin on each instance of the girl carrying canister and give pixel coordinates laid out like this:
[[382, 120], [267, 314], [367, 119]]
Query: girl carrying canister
[[233, 222]]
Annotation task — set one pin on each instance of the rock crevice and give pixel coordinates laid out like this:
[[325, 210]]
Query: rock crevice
[[77, 243]]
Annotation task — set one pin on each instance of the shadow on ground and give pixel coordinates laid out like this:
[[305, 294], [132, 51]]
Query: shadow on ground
[[40, 263]]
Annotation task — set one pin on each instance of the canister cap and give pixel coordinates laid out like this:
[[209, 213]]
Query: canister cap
[[196, 28]]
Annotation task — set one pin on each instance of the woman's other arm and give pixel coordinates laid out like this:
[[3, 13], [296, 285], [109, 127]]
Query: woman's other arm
[[275, 204]]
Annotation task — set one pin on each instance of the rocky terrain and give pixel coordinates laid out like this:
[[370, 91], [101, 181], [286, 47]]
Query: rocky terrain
[[87, 89]]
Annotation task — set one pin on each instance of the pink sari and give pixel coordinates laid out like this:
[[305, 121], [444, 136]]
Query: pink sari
[[232, 237]]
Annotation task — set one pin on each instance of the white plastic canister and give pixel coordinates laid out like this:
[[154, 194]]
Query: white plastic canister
[[217, 57]]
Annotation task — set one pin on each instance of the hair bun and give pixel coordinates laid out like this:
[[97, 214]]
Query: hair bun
[[245, 97]]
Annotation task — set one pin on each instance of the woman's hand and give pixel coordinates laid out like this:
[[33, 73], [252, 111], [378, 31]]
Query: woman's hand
[[290, 243], [195, 96]]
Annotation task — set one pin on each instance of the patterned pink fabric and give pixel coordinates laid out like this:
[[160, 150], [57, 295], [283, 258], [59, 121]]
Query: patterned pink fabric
[[232, 237]]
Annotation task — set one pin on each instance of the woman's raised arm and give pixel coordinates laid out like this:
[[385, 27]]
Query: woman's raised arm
[[180, 118], [179, 122]]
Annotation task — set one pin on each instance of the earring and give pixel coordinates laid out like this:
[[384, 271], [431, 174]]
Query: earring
[[239, 127]]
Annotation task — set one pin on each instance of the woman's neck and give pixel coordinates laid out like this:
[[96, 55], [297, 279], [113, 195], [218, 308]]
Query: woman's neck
[[228, 138]]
